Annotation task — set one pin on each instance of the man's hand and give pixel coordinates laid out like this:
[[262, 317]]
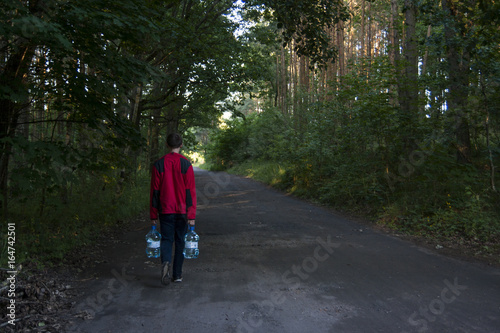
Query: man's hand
[[191, 222], [153, 222]]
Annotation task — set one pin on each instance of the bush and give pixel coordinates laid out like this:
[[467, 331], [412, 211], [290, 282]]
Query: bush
[[228, 145], [358, 152], [92, 207]]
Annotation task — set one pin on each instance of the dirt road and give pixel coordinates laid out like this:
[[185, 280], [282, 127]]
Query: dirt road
[[272, 263]]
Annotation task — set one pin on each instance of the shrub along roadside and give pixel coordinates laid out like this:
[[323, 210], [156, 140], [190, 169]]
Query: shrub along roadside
[[93, 207], [468, 223], [419, 190]]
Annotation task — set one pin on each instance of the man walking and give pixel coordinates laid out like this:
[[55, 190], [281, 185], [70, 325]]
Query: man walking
[[173, 201]]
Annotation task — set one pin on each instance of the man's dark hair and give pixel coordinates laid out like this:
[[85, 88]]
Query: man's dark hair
[[174, 140]]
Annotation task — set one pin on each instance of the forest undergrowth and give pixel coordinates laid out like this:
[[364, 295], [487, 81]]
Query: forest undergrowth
[[364, 169], [48, 226]]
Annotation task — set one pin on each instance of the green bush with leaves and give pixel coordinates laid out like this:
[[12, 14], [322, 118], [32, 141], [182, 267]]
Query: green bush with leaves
[[92, 206], [61, 196]]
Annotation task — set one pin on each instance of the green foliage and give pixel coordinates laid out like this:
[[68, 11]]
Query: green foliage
[[66, 32], [269, 172], [348, 153], [260, 137], [200, 60], [61, 197], [305, 23], [229, 145], [466, 217], [90, 208], [267, 135], [260, 41]]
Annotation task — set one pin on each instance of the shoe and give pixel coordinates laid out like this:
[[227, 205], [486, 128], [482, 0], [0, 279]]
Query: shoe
[[177, 280], [165, 273]]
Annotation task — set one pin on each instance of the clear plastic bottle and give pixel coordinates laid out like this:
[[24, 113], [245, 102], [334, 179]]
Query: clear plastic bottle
[[153, 238], [191, 239]]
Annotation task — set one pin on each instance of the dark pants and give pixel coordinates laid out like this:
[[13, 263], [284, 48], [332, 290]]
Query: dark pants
[[173, 228]]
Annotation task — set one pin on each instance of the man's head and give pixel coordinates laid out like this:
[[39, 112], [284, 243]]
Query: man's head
[[174, 140]]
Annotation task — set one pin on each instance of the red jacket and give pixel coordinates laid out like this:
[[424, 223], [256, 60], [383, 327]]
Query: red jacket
[[172, 187]]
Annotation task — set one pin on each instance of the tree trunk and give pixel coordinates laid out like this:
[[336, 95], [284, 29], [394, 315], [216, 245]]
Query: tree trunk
[[426, 54], [293, 78], [130, 111], [13, 72], [331, 72], [302, 96], [458, 71], [134, 107], [409, 88], [278, 87], [154, 143], [394, 33], [284, 90], [369, 36], [394, 47], [424, 68], [340, 48], [363, 50]]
